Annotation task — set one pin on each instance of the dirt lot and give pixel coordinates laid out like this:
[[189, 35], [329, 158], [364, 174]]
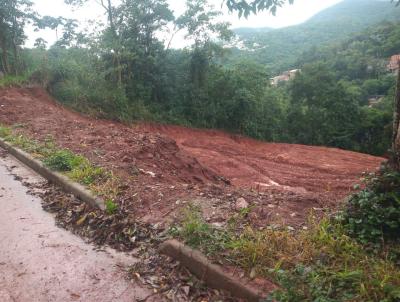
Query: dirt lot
[[165, 167]]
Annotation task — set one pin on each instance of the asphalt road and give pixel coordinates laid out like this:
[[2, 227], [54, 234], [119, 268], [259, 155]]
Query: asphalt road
[[41, 262]]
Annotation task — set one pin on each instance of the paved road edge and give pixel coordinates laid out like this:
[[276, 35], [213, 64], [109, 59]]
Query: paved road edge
[[65, 183]]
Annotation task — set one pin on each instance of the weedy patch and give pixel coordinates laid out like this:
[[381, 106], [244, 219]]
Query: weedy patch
[[322, 263], [64, 161], [4, 131], [111, 207], [9, 81], [199, 234], [76, 167]]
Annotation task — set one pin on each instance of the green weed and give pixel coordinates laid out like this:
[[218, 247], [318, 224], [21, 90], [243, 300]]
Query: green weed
[[198, 234], [87, 174], [64, 161], [111, 207], [4, 131], [321, 263]]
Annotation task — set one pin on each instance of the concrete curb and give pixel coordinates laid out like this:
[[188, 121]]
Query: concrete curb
[[209, 273], [67, 185]]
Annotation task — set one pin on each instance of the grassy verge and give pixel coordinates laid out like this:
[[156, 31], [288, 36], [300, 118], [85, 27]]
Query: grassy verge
[[78, 168], [321, 263]]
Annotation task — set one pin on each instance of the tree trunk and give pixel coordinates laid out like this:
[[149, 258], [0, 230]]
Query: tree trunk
[[116, 40], [395, 160], [4, 59], [4, 53]]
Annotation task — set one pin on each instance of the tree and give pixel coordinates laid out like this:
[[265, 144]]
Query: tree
[[111, 31], [203, 28], [14, 14], [245, 7]]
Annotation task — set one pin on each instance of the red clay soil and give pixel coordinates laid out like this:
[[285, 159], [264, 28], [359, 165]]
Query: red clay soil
[[165, 167]]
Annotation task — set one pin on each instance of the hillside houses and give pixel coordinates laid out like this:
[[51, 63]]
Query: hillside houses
[[284, 77], [393, 65]]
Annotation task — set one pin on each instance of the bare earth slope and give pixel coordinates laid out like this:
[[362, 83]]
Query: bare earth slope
[[164, 167]]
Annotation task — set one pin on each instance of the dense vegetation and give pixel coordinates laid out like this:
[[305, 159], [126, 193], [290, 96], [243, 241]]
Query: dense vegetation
[[279, 49]]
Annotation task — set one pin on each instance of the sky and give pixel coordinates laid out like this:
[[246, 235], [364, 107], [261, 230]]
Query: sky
[[288, 15]]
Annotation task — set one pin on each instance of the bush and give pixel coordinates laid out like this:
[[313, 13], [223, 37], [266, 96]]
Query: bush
[[373, 214]]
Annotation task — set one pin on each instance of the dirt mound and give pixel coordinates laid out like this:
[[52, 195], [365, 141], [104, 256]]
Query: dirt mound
[[165, 167]]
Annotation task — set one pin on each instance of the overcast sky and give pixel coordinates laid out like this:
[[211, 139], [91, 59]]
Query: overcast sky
[[286, 16]]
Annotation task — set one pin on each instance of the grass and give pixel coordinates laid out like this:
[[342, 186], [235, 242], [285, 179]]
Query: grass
[[111, 207], [321, 263], [8, 81], [76, 167]]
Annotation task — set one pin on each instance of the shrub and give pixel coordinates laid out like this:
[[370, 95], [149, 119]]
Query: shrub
[[373, 214]]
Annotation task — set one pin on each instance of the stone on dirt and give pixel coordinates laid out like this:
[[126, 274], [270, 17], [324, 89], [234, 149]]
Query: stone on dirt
[[241, 203]]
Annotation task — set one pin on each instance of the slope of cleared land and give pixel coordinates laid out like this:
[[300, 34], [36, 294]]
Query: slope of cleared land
[[163, 168]]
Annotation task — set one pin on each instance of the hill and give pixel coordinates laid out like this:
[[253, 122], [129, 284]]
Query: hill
[[280, 48]]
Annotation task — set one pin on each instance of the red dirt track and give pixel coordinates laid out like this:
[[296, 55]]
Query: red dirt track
[[163, 167]]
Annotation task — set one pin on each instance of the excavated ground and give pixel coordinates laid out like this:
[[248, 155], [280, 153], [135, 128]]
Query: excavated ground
[[166, 167]]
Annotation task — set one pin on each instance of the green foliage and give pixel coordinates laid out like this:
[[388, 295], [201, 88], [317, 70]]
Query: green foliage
[[4, 131], [279, 49], [244, 7], [10, 80], [111, 207], [64, 160], [198, 234], [373, 214], [87, 174], [321, 263]]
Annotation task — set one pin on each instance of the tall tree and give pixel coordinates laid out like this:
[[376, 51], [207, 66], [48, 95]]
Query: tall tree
[[14, 14], [111, 31], [200, 20]]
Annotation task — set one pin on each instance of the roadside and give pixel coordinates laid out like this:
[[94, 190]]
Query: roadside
[[41, 262]]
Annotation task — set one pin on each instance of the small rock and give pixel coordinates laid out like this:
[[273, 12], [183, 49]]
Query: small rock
[[241, 203], [253, 273], [217, 225]]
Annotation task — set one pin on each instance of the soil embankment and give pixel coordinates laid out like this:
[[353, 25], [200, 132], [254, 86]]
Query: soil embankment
[[165, 167]]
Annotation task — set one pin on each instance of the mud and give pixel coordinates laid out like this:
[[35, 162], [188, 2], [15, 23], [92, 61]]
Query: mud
[[166, 167], [41, 262]]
